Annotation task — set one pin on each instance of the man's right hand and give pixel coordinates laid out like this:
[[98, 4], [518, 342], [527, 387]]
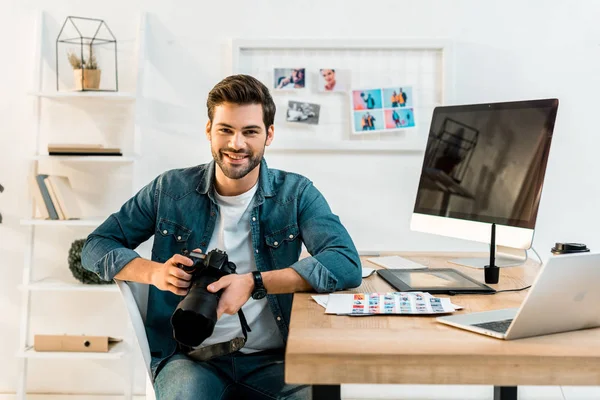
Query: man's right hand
[[169, 276]]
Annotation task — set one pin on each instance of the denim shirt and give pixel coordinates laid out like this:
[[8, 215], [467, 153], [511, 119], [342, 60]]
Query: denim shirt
[[179, 209]]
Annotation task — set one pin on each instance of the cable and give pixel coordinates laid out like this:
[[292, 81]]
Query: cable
[[536, 253], [513, 290]]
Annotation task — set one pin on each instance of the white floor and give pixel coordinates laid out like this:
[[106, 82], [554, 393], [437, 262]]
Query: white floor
[[460, 392], [404, 392]]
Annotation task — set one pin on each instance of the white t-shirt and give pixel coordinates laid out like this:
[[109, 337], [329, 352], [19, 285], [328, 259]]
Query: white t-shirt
[[232, 234]]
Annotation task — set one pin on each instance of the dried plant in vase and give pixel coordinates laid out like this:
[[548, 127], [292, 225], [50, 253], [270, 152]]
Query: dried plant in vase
[[85, 72]]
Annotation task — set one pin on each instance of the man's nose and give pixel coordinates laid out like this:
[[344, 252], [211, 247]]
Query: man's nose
[[238, 141]]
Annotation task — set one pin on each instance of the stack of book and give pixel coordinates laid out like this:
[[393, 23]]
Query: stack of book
[[82, 150], [54, 197]]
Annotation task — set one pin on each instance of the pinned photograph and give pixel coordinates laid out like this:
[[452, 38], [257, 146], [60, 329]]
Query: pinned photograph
[[367, 121], [390, 109], [304, 113], [398, 97], [369, 99], [289, 78], [333, 80], [399, 118]]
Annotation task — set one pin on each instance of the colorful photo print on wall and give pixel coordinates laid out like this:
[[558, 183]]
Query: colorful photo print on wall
[[367, 99], [368, 121], [389, 109], [302, 112], [333, 80], [395, 97], [289, 78], [399, 118]]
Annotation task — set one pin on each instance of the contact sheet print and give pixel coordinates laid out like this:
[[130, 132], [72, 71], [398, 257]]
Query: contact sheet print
[[388, 303]]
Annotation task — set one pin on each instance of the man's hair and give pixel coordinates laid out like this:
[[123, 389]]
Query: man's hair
[[242, 90]]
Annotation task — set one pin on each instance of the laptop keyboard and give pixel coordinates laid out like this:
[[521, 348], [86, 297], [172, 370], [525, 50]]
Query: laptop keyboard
[[496, 326]]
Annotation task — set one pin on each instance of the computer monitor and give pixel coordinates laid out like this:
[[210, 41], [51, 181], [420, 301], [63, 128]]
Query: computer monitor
[[484, 164]]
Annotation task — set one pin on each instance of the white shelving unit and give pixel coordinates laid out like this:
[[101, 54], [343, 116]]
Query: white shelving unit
[[56, 285], [69, 222], [86, 159], [121, 351], [96, 95]]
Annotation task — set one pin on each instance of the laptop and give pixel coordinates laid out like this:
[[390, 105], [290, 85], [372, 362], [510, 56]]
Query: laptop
[[564, 297]]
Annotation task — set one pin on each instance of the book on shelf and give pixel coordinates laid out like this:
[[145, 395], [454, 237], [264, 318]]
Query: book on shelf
[[54, 197], [71, 149]]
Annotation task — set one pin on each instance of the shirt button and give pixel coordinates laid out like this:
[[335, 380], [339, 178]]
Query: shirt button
[[256, 251], [291, 236], [253, 218], [278, 318], [178, 237], [275, 243], [165, 232]]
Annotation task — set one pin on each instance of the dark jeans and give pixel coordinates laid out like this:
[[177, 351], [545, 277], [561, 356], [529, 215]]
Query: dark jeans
[[234, 376]]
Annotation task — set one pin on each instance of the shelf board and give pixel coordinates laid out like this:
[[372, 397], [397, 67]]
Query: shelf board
[[70, 222], [55, 285], [115, 353], [91, 159], [76, 94]]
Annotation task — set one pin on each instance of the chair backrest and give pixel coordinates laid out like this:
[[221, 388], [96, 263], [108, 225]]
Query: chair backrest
[[135, 296]]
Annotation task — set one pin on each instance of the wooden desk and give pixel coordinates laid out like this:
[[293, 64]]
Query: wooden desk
[[331, 350]]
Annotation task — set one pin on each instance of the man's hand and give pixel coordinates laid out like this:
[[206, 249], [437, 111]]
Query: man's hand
[[169, 276], [237, 291]]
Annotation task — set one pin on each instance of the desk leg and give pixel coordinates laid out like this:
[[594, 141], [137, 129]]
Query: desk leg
[[326, 392], [505, 393]]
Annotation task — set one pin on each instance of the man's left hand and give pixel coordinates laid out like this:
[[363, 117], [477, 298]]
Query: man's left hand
[[236, 292]]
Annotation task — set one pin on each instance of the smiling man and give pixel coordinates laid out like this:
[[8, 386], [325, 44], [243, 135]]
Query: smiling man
[[261, 217]]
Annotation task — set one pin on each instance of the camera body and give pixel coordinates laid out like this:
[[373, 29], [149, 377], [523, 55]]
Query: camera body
[[195, 317]]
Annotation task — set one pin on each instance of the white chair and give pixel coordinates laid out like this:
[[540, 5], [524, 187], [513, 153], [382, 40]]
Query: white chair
[[135, 296]]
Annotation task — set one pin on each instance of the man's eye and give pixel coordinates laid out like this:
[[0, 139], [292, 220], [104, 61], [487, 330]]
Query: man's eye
[[224, 130], [251, 132]]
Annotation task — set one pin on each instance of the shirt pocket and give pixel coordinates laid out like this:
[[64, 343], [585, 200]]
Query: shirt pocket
[[284, 246], [171, 238]]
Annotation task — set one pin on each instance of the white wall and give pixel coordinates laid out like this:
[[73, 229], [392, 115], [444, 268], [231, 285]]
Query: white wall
[[504, 51]]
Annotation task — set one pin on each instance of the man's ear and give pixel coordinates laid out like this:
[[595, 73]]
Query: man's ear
[[208, 127], [270, 135]]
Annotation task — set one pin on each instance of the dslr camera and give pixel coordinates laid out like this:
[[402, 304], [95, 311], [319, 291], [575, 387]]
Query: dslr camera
[[195, 317]]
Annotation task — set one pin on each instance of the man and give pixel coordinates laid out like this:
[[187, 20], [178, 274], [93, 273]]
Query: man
[[402, 98], [396, 118], [369, 101], [370, 122], [260, 217]]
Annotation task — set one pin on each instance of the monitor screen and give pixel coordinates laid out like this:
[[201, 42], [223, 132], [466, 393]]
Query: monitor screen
[[486, 162]]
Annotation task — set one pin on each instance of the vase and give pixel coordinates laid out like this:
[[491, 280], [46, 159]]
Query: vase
[[89, 80]]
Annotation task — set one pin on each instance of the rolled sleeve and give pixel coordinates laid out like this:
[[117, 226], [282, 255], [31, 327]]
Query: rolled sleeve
[[113, 262], [316, 274], [111, 246], [335, 264]]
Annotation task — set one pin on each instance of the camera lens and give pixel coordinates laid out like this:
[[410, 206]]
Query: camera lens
[[196, 315]]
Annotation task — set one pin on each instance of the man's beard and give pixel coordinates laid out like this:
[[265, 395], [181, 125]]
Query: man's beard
[[236, 171]]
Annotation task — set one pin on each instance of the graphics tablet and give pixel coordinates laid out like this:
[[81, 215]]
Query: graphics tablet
[[434, 280]]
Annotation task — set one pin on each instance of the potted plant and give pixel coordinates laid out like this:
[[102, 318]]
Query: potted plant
[[85, 72]]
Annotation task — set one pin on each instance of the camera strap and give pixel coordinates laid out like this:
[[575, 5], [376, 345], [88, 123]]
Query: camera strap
[[221, 349]]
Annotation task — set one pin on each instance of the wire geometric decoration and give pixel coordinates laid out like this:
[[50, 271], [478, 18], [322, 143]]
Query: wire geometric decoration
[[90, 48]]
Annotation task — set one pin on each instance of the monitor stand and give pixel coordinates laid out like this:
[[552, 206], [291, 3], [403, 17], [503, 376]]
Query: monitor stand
[[500, 256]]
